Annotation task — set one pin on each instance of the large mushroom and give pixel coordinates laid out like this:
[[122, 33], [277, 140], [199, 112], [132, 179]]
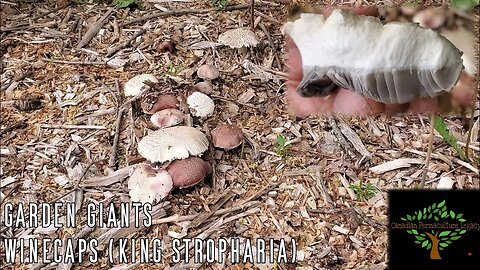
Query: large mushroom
[[227, 137], [188, 172], [172, 143]]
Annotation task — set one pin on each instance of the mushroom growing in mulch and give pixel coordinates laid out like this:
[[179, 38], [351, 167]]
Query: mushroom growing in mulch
[[200, 104], [204, 87], [166, 118], [188, 172], [239, 38], [227, 137], [136, 87], [154, 103], [172, 143], [208, 72], [147, 184]]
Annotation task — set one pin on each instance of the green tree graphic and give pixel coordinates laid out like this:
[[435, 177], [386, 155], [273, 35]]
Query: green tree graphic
[[439, 239]]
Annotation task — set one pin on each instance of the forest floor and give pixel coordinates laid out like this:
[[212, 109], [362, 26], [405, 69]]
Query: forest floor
[[59, 111]]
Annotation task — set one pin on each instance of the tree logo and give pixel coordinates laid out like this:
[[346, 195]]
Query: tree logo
[[438, 235]]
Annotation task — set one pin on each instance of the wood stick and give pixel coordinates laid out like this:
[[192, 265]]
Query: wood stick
[[71, 126], [429, 152], [112, 163], [123, 45], [94, 29]]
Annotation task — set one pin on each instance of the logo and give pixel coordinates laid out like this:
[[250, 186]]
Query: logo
[[434, 229]]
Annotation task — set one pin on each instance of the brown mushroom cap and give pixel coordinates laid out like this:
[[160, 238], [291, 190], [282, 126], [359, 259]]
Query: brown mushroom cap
[[188, 172], [165, 46], [208, 72], [204, 87], [162, 102], [227, 137]]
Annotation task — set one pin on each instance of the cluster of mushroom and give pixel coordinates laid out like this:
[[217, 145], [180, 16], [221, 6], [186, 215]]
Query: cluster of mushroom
[[174, 151]]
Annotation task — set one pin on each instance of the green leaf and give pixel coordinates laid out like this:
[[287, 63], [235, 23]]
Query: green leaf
[[436, 210], [448, 242], [425, 243], [453, 234], [403, 219], [420, 238], [436, 218], [414, 232], [444, 244], [443, 130], [281, 140], [443, 215], [452, 214], [462, 220], [444, 208], [124, 3], [409, 231], [455, 237], [417, 242], [459, 215], [434, 205], [441, 204], [424, 210], [430, 216], [419, 216], [462, 231], [429, 246], [444, 233], [441, 248]]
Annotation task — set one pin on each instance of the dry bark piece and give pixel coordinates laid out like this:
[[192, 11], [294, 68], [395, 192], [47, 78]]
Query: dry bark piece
[[135, 85], [172, 143], [153, 104], [204, 87], [238, 38], [147, 184], [227, 137], [188, 172], [166, 118], [208, 72], [430, 66], [200, 104]]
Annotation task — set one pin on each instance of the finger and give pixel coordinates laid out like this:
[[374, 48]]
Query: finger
[[423, 105], [349, 102], [464, 92]]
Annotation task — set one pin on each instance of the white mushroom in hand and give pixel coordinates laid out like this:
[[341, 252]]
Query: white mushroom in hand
[[147, 184], [227, 137], [188, 172], [172, 143]]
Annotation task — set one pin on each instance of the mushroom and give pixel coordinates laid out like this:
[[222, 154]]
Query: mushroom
[[166, 118], [204, 87], [389, 68], [153, 102], [208, 72], [238, 38], [200, 104], [135, 85], [165, 46], [188, 172], [147, 184], [172, 143], [465, 41], [227, 137]]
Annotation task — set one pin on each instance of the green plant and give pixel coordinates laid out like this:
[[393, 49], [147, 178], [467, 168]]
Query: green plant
[[364, 190], [281, 146], [124, 3], [173, 70], [220, 4], [465, 4], [442, 128]]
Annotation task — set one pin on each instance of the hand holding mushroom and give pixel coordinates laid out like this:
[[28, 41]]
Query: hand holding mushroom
[[331, 78]]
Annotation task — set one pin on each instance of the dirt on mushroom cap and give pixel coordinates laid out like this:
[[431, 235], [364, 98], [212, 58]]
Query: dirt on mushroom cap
[[188, 172], [227, 136]]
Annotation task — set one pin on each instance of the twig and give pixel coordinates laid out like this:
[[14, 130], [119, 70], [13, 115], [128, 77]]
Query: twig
[[123, 45], [441, 157], [233, 101], [71, 126], [274, 48], [469, 136], [19, 125], [340, 137], [113, 156], [51, 11], [77, 183], [94, 29], [252, 15], [74, 62], [429, 152]]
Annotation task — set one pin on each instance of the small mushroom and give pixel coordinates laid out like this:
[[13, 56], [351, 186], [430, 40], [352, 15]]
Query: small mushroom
[[227, 137], [153, 103], [135, 85], [166, 118], [238, 38], [200, 104], [172, 143], [188, 172], [165, 46], [204, 87], [147, 184], [208, 72]]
